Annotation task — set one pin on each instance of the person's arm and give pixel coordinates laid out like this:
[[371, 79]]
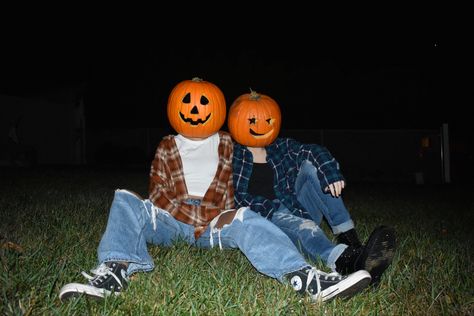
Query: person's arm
[[226, 152], [328, 169], [228, 215], [229, 195], [228, 155]]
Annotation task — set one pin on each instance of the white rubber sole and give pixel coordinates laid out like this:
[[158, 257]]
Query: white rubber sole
[[353, 284], [76, 289]]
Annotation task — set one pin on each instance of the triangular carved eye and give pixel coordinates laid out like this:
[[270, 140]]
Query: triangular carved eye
[[204, 100], [187, 98], [268, 120]]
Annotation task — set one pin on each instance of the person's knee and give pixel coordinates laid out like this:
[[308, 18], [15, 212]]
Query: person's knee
[[127, 195], [306, 164], [308, 169], [246, 214], [307, 174]]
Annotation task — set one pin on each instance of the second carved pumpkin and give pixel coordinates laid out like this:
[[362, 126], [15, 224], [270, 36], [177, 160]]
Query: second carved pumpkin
[[254, 119]]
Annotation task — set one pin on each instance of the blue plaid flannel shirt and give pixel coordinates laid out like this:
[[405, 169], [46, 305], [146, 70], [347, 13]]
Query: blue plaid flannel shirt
[[285, 155]]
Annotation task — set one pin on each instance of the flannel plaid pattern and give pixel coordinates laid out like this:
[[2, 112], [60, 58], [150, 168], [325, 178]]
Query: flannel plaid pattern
[[168, 191], [285, 155]]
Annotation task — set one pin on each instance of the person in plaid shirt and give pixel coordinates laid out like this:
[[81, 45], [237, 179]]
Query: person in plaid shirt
[[191, 198], [295, 186]]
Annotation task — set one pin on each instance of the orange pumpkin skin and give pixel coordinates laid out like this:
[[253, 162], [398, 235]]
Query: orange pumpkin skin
[[196, 108], [254, 120]]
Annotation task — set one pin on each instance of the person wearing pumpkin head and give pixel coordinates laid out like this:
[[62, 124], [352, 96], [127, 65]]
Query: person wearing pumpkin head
[[295, 186], [191, 198]]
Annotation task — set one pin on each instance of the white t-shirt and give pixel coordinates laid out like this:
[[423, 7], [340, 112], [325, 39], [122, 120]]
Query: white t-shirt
[[200, 159]]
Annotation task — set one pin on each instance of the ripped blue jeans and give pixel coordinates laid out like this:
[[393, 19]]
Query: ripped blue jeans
[[306, 233], [308, 237], [319, 204], [135, 223]]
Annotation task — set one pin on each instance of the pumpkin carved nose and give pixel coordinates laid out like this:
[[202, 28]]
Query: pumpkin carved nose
[[194, 110]]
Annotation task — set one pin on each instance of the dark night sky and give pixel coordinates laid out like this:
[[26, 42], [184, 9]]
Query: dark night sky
[[379, 68], [387, 73], [406, 80]]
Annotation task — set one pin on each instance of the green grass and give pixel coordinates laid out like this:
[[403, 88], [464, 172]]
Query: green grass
[[58, 216]]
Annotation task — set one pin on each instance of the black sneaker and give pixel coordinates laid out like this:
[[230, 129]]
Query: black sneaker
[[322, 286], [375, 256], [109, 278], [349, 238], [380, 250]]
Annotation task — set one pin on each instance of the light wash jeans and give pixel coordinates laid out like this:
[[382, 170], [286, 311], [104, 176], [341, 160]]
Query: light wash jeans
[[307, 234], [320, 204], [134, 223]]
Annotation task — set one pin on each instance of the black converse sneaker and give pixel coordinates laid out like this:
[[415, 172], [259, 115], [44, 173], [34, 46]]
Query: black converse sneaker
[[322, 286], [375, 256], [109, 278], [380, 251]]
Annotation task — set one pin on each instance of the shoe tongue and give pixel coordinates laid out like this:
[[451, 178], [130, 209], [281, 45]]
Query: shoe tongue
[[114, 266]]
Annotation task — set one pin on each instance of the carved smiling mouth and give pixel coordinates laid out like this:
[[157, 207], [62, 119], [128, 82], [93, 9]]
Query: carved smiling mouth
[[194, 122], [257, 135]]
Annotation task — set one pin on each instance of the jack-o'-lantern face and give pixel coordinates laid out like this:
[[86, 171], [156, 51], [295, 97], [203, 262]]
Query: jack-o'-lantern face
[[196, 108], [254, 120]]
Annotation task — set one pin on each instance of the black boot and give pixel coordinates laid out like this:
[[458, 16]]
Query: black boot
[[375, 256], [349, 238]]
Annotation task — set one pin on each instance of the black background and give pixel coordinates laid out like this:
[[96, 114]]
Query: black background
[[386, 73], [386, 79]]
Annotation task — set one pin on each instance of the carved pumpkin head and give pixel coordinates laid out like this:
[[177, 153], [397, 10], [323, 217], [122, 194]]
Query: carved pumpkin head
[[196, 108], [254, 120]]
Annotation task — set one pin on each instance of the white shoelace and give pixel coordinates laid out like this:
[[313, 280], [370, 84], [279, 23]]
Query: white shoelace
[[315, 272], [101, 271], [311, 273], [333, 275]]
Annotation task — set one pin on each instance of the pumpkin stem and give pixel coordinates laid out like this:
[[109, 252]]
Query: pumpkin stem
[[254, 95], [197, 79]]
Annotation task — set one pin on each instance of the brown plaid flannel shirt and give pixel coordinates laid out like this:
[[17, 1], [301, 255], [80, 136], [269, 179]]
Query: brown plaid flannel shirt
[[168, 191]]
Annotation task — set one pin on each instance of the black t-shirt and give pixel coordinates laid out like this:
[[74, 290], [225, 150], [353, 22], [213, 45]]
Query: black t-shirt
[[261, 181]]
